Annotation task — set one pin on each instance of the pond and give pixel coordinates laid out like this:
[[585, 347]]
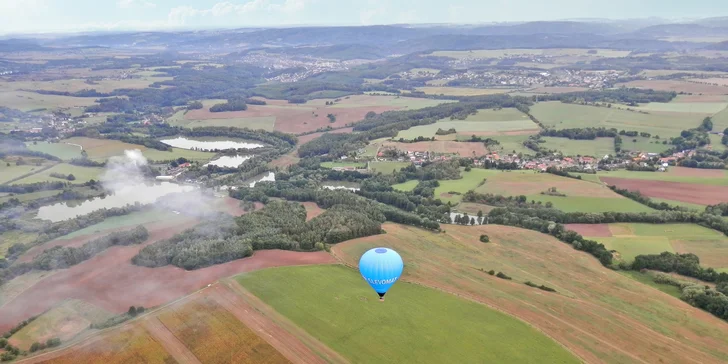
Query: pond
[[229, 161], [270, 176], [143, 194], [209, 144]]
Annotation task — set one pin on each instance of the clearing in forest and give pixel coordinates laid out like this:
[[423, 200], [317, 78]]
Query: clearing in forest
[[597, 313]]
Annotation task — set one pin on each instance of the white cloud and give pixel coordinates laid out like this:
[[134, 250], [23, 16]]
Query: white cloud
[[126, 4]]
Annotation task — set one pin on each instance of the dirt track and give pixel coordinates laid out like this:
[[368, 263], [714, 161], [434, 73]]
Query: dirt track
[[111, 282], [170, 343], [294, 343], [678, 191]]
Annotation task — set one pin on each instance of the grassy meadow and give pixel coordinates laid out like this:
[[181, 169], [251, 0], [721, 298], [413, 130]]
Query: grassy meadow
[[598, 147], [101, 150], [386, 167], [406, 186], [82, 174], [60, 150], [630, 240], [414, 324], [358, 165], [673, 174], [598, 314]]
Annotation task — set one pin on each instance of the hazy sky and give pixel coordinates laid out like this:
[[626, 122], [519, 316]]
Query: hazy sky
[[70, 15]]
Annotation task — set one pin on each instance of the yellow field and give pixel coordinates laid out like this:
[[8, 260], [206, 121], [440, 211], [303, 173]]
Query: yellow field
[[130, 344], [214, 335], [73, 85], [27, 101]]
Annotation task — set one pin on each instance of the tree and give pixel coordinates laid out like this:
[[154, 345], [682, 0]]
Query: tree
[[3, 342], [132, 311], [71, 177], [332, 118], [707, 124], [34, 347], [53, 342], [140, 310], [472, 221], [370, 115], [484, 238]]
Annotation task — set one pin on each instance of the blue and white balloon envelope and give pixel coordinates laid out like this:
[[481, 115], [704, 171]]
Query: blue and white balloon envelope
[[381, 268]]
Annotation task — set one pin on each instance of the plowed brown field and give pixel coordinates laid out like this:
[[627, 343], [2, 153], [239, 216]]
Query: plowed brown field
[[677, 191]]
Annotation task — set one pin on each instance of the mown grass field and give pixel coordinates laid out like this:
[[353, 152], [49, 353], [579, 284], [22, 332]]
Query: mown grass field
[[60, 150], [598, 147], [675, 174], [12, 171], [358, 165], [504, 114], [387, 167], [720, 120], [64, 322], [470, 181], [101, 150], [562, 116], [591, 204], [131, 344], [30, 196], [462, 91], [648, 145], [406, 186], [214, 335], [647, 279], [82, 174], [631, 240], [468, 128], [415, 324], [599, 314], [77, 84], [523, 182], [133, 219], [27, 101], [509, 144]]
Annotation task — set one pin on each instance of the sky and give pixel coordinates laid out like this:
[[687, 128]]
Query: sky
[[32, 16]]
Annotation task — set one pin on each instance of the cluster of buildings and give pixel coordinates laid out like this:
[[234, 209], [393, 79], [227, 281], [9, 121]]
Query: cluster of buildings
[[528, 78], [309, 66]]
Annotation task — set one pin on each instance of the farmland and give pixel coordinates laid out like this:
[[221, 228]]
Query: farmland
[[630, 240], [77, 84], [214, 335], [298, 118], [9, 171], [563, 116], [592, 204], [678, 191], [713, 177], [485, 122], [463, 149], [101, 150], [462, 91], [387, 167], [407, 327], [82, 174], [678, 86], [27, 101], [598, 147], [357, 165], [64, 321], [470, 181], [60, 150], [131, 344], [598, 314], [556, 52]]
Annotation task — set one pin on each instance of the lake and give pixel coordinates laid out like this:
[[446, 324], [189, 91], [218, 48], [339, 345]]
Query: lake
[[184, 143], [229, 161], [143, 194], [270, 176]]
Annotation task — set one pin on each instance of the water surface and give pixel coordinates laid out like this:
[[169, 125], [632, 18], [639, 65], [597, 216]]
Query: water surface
[[184, 143], [143, 194], [229, 161]]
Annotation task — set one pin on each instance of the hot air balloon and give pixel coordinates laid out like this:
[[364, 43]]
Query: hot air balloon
[[381, 267]]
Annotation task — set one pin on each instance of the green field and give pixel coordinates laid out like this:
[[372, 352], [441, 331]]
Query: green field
[[27, 101], [387, 167], [504, 114], [592, 204], [11, 172], [133, 219], [647, 145], [562, 116], [631, 240], [720, 120], [263, 122], [60, 150], [358, 165], [598, 147], [508, 144], [466, 127], [406, 186], [555, 52], [63, 321], [414, 325], [8, 238], [691, 206], [715, 143], [82, 174], [470, 181], [706, 108], [646, 278], [30, 196], [670, 176], [101, 150]]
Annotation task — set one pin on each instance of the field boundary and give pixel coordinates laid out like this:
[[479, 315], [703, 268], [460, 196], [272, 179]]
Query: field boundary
[[45, 168], [169, 341], [326, 354]]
